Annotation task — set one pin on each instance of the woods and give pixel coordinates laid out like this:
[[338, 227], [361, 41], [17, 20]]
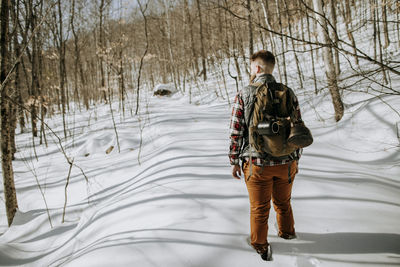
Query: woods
[[60, 56]]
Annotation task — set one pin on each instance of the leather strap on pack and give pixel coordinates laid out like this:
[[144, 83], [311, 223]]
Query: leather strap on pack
[[250, 134]]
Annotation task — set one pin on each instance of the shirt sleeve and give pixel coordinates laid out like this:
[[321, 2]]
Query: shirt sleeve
[[236, 130]]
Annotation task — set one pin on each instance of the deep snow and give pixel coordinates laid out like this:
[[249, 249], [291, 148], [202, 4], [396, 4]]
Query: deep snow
[[181, 207]]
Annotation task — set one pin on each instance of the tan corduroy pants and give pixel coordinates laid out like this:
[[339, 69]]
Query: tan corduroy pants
[[265, 183]]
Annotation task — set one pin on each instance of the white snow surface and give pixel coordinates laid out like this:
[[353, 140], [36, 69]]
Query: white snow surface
[[181, 206]]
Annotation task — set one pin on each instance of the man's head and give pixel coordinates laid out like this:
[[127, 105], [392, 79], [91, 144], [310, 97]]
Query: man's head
[[262, 62]]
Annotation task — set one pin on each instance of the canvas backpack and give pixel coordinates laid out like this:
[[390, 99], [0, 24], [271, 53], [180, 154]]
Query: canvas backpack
[[271, 120]]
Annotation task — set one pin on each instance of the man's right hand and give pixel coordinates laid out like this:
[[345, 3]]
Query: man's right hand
[[235, 171]]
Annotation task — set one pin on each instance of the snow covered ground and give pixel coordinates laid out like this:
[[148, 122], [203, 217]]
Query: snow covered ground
[[181, 207]]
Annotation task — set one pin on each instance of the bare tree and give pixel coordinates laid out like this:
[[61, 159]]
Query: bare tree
[[17, 52], [385, 23], [348, 24], [203, 53], [249, 16], [78, 62], [333, 6], [6, 153], [311, 52], [328, 60], [299, 72], [278, 10], [142, 11]]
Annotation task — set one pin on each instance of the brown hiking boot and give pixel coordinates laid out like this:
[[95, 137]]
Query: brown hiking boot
[[287, 236], [265, 252], [267, 255]]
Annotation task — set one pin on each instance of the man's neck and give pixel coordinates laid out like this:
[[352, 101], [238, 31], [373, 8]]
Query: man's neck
[[263, 73]]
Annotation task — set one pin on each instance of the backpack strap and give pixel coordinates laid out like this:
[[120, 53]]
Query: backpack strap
[[275, 101], [259, 85]]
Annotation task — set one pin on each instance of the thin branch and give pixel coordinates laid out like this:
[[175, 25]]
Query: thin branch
[[61, 148], [66, 186], [362, 55], [32, 170]]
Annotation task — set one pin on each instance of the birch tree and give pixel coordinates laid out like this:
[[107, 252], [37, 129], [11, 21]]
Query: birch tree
[[328, 60]]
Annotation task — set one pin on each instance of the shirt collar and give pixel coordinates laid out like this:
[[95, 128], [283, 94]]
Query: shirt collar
[[265, 77]]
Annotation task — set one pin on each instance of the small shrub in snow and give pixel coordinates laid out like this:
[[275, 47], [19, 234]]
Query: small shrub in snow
[[164, 89]]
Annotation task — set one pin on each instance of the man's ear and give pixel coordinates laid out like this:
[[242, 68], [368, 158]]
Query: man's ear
[[258, 69]]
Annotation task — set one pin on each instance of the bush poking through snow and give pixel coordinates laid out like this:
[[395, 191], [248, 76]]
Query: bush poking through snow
[[164, 89]]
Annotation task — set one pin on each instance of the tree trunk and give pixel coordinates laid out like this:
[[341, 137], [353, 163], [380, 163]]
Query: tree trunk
[[385, 24], [328, 60], [312, 53], [347, 17], [264, 4], [334, 23], [77, 55], [203, 54], [61, 52], [17, 50], [6, 153], [35, 69], [142, 10], [249, 18], [261, 32], [293, 45], [170, 52], [397, 10], [192, 44], [378, 34], [121, 80], [102, 47], [282, 42]]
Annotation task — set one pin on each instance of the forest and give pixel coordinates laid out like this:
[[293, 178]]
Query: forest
[[60, 58]]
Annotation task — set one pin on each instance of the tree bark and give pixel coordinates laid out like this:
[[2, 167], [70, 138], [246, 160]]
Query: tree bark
[[61, 52], [312, 53], [249, 18], [203, 54], [334, 23], [378, 34], [328, 60], [264, 4], [282, 42], [142, 10], [299, 72], [192, 44], [35, 69], [18, 82], [385, 24], [102, 47], [6, 153], [349, 30]]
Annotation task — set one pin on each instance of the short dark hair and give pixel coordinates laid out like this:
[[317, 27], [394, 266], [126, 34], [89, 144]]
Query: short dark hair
[[265, 56]]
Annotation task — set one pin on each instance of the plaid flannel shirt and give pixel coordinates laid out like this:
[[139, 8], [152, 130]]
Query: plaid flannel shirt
[[238, 127]]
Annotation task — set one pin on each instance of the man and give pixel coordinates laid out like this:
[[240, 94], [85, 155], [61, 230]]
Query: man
[[270, 177]]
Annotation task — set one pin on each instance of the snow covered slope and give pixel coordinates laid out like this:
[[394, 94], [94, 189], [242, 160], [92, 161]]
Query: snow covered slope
[[181, 207], [168, 198]]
